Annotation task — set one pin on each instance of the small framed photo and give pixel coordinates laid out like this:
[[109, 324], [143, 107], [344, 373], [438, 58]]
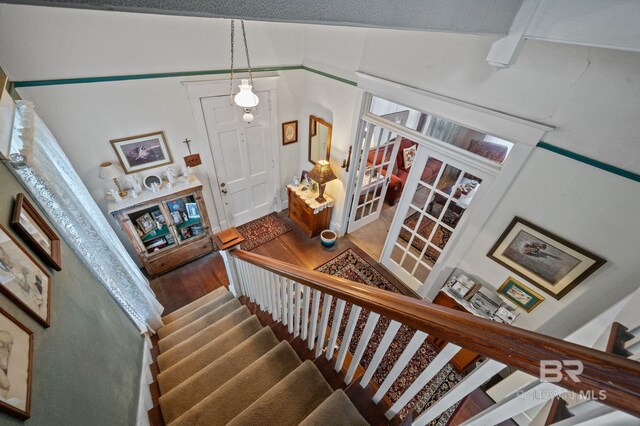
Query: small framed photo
[[146, 223], [521, 295], [483, 304], [142, 152], [16, 360], [542, 258], [35, 230], [504, 315], [23, 279], [192, 210], [177, 218], [304, 177], [289, 132], [158, 216]]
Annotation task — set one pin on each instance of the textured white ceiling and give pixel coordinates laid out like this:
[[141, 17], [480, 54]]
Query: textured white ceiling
[[460, 16]]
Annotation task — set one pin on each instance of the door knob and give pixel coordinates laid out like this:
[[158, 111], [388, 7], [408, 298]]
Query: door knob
[[222, 185], [224, 191]]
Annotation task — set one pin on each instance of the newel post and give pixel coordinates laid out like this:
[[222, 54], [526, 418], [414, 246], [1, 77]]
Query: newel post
[[226, 241]]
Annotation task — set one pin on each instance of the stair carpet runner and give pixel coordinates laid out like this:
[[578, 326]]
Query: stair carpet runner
[[219, 365]]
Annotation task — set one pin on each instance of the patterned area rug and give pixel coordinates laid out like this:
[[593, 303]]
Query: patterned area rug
[[262, 230], [351, 266]]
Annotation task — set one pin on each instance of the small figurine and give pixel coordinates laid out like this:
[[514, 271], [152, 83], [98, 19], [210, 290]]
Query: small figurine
[[170, 177], [135, 183], [115, 195], [185, 217], [188, 174]]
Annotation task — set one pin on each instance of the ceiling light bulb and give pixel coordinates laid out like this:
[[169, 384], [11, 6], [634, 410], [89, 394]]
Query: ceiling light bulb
[[245, 97], [247, 116]]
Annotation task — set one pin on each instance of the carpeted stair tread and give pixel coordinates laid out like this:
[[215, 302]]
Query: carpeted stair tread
[[221, 291], [193, 315], [242, 390], [200, 358], [290, 401], [337, 410], [198, 340], [197, 387], [200, 324]]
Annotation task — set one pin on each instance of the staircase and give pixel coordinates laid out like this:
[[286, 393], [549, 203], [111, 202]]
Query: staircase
[[218, 365]]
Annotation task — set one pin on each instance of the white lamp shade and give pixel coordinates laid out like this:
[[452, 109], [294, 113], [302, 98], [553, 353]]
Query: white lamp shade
[[109, 170], [245, 97]]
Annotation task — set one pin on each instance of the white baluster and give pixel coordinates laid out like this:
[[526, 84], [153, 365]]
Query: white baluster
[[413, 346], [296, 324], [380, 352], [322, 328], [372, 321], [335, 328], [252, 282], [445, 355], [477, 377], [283, 300], [273, 295], [240, 287], [314, 319], [530, 395], [290, 291], [269, 290], [348, 334], [599, 415], [261, 294], [305, 312]]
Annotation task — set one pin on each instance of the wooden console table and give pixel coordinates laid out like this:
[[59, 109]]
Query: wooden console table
[[312, 217]]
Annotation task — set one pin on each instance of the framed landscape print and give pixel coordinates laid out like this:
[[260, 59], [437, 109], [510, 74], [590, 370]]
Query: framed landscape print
[[542, 258], [31, 226], [289, 132], [16, 358], [520, 294], [143, 152], [23, 280]]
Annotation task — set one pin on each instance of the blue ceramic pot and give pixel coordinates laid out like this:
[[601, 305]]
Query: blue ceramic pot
[[328, 238]]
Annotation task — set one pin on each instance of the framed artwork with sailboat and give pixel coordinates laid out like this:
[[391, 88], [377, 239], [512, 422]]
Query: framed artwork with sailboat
[[142, 152]]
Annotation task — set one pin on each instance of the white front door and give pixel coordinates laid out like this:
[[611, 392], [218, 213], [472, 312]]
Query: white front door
[[242, 156]]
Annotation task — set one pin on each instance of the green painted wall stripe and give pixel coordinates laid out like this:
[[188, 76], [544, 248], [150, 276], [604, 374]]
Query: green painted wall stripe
[[590, 161], [334, 77], [83, 80]]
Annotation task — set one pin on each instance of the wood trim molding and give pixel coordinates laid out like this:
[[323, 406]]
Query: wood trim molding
[[522, 349]]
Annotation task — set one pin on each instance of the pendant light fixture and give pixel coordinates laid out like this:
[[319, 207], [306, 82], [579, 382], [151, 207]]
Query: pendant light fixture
[[245, 98]]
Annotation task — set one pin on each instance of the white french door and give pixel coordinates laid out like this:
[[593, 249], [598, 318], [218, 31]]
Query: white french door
[[438, 192], [242, 156], [379, 151]]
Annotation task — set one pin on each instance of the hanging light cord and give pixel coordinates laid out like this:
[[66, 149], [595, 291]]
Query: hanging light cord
[[246, 50], [231, 81]]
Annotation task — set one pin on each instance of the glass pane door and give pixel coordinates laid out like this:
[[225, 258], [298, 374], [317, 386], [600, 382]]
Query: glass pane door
[[374, 175], [437, 196], [185, 216], [151, 226]]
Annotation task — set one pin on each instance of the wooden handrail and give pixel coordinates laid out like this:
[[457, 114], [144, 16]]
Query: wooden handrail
[[519, 348]]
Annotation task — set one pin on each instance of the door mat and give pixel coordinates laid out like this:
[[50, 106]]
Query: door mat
[[351, 266]]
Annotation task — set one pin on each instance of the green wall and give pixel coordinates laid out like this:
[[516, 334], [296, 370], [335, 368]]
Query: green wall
[[86, 367]]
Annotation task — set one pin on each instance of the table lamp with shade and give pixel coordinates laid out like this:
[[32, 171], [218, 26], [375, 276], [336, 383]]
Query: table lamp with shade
[[322, 174], [108, 170]]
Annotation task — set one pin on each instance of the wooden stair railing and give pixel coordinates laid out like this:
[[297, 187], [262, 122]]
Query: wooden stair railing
[[292, 294]]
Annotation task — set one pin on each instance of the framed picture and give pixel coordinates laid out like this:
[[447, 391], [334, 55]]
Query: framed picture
[[31, 226], [483, 304], [23, 279], [192, 211], [289, 132], [304, 178], [146, 223], [542, 258], [521, 295], [177, 218], [142, 152], [16, 359], [158, 216]]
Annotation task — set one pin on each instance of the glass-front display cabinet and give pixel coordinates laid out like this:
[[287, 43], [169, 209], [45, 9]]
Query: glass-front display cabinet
[[167, 228]]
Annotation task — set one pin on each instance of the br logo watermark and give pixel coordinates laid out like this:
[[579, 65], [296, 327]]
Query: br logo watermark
[[554, 371]]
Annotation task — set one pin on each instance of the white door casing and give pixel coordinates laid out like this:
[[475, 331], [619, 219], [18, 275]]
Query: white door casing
[[242, 156], [198, 90]]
